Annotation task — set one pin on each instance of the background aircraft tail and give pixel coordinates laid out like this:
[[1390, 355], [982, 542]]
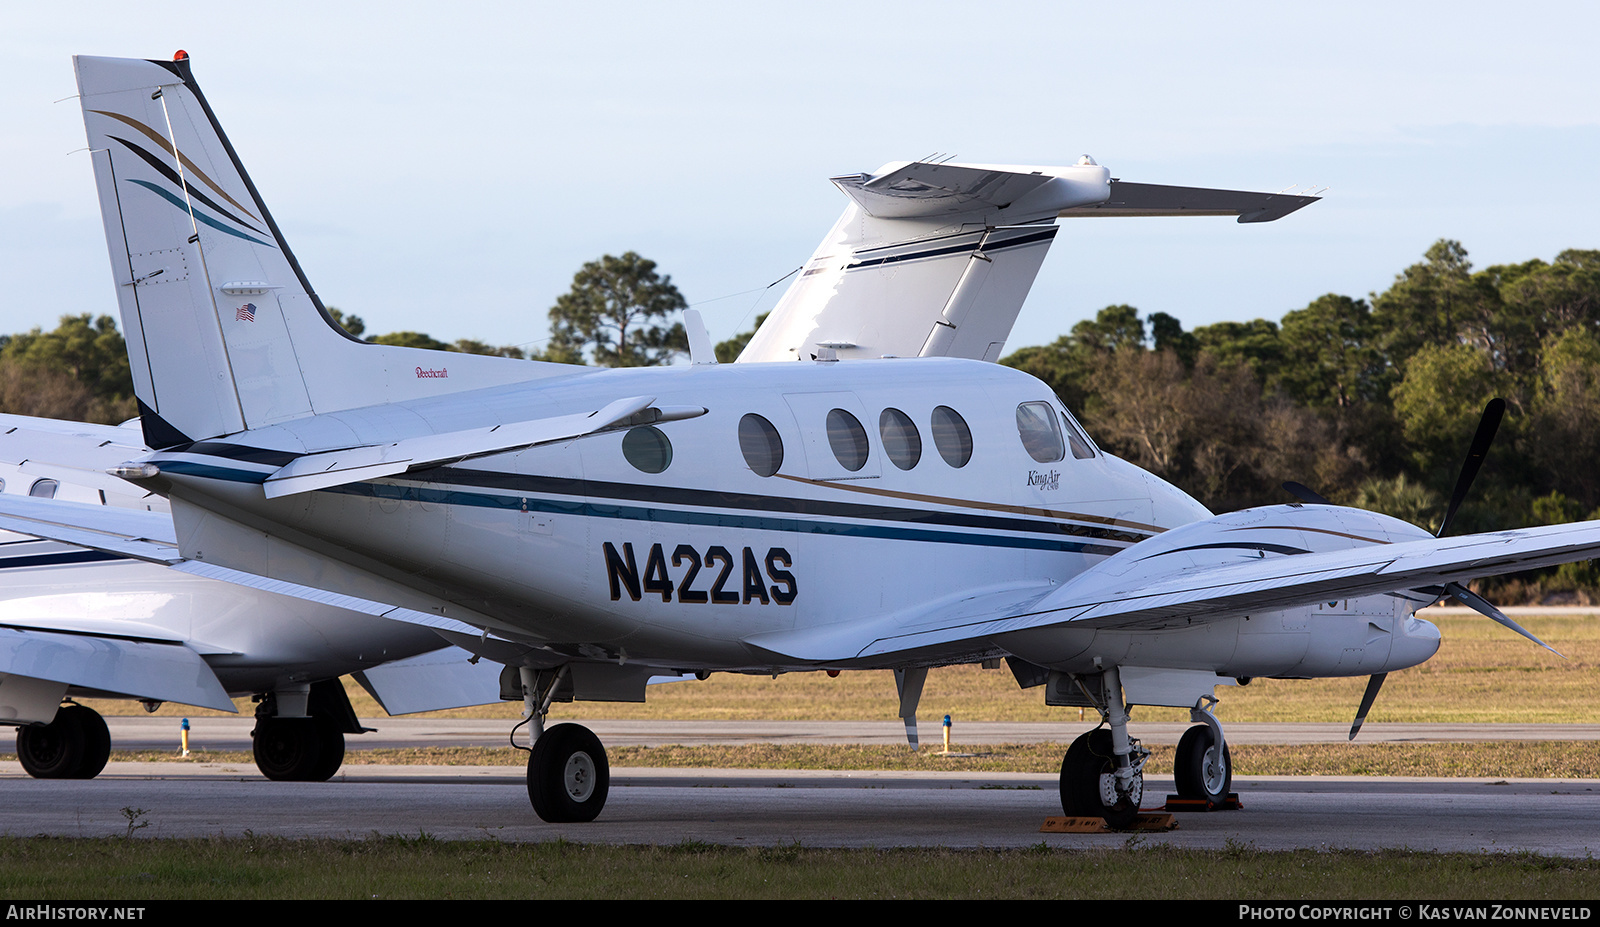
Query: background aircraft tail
[[935, 259], [224, 331]]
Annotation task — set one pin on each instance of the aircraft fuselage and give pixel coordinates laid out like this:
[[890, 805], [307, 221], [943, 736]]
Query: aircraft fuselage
[[580, 546]]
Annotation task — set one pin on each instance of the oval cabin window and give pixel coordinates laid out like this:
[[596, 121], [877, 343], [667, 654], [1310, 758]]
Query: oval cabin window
[[952, 436], [901, 442], [761, 445], [647, 449], [848, 440]]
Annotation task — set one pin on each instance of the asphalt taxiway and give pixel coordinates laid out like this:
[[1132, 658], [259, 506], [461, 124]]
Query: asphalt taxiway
[[848, 809]]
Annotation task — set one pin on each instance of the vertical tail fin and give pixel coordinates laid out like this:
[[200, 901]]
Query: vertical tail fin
[[224, 331]]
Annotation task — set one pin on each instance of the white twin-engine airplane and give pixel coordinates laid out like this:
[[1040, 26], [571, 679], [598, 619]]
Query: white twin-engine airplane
[[86, 623], [595, 527]]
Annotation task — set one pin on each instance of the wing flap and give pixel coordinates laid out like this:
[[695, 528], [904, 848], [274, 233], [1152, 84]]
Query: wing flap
[[433, 682], [166, 672]]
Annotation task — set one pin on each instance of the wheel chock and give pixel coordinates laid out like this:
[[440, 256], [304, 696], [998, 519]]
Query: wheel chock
[[1175, 803], [1146, 821]]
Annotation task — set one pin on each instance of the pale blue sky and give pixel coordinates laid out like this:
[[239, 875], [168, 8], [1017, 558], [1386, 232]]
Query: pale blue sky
[[448, 170]]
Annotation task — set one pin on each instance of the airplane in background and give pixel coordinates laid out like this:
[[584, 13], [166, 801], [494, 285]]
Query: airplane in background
[[594, 527], [935, 259], [79, 623]]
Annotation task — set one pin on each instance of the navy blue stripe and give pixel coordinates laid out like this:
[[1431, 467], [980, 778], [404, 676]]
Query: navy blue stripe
[[701, 498], [1030, 238], [212, 472], [710, 519], [176, 181], [61, 559], [1275, 548], [239, 452]]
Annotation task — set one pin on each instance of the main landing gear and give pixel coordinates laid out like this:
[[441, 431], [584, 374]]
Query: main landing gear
[[1102, 774], [75, 745], [569, 776], [299, 733]]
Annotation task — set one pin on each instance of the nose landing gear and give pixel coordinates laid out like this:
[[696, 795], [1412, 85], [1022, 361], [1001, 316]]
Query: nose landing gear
[[569, 776]]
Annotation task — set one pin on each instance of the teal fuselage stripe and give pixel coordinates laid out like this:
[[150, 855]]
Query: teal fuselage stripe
[[200, 217], [515, 502]]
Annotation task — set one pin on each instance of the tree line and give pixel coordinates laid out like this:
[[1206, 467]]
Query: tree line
[[1371, 402]]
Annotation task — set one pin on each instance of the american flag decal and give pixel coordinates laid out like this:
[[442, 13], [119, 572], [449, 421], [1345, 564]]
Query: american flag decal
[[246, 313]]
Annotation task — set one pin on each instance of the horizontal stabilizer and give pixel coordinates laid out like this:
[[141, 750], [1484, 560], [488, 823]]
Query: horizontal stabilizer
[[1150, 199], [920, 189], [166, 672], [351, 465]]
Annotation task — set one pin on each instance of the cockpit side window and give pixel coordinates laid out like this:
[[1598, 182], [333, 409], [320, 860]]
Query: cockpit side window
[[1076, 439], [1036, 426], [44, 489]]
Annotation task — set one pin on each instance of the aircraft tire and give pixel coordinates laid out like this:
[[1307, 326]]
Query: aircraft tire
[[1196, 770], [568, 775], [289, 749], [1087, 759], [75, 745], [332, 750]]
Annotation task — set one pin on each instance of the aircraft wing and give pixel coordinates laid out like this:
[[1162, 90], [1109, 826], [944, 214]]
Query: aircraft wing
[[1167, 596], [136, 533], [164, 670], [921, 189], [78, 452]]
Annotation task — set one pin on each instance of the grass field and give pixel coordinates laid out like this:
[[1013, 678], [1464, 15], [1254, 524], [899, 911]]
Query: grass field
[[396, 867]]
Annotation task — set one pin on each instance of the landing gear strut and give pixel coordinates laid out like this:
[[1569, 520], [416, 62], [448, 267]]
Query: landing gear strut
[[569, 775], [76, 745], [1103, 771]]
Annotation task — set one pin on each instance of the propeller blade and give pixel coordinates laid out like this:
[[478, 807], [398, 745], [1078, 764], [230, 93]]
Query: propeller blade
[[1305, 493], [1486, 608], [1373, 685], [1487, 426]]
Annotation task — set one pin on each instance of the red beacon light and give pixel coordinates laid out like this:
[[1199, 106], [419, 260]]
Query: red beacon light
[[180, 55]]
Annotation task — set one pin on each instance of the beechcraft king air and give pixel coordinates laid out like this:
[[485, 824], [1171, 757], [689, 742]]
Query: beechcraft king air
[[835, 511]]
